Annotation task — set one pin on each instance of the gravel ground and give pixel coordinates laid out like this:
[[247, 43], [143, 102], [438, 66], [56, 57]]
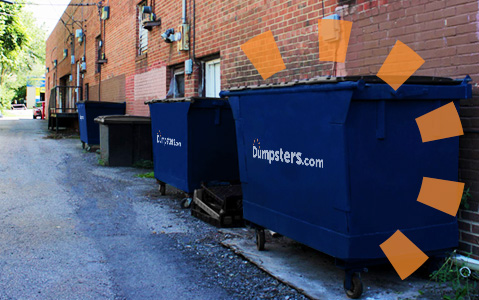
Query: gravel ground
[[72, 229]]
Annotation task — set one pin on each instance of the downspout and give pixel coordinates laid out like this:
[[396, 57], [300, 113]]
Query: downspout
[[101, 50], [183, 18], [471, 263]]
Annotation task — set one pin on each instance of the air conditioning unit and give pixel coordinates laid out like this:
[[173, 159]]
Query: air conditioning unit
[[149, 18], [184, 42]]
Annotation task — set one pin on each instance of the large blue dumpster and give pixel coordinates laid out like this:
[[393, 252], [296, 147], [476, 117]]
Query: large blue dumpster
[[88, 111], [338, 165], [194, 141]]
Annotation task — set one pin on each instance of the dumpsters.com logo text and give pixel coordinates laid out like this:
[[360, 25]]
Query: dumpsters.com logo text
[[166, 141], [288, 157]]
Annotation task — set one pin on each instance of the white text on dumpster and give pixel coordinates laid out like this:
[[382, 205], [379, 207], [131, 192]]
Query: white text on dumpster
[[288, 157], [167, 141]]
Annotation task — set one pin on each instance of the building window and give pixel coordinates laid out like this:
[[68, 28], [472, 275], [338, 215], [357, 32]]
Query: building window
[[212, 78], [177, 84], [98, 45], [142, 32]]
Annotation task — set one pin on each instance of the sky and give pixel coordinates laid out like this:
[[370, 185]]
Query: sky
[[47, 12]]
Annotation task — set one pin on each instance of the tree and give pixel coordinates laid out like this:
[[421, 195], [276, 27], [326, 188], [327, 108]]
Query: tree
[[22, 50]]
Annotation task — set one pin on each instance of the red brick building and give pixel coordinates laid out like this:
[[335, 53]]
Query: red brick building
[[138, 65]]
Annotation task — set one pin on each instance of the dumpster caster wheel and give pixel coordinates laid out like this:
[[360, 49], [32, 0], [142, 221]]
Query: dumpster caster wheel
[[356, 289], [186, 203], [260, 239], [162, 189]]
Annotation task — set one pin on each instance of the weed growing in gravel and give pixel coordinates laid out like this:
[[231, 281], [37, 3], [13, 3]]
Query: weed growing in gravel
[[101, 162], [146, 175], [460, 279]]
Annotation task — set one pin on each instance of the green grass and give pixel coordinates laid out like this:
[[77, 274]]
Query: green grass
[[146, 175], [101, 162]]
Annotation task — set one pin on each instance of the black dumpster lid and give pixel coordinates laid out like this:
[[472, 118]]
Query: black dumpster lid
[[122, 119], [424, 80], [185, 99]]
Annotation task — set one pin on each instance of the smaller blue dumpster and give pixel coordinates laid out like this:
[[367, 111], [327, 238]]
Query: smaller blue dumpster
[[88, 111], [194, 141]]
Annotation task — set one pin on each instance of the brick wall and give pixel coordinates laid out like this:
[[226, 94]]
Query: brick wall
[[444, 33]]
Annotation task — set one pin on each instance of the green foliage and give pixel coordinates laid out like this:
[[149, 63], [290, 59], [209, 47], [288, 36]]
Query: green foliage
[[13, 34], [22, 51], [459, 279], [101, 162], [20, 92], [465, 198], [146, 175]]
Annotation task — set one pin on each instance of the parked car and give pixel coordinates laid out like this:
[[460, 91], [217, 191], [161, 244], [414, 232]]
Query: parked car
[[19, 107], [37, 112]]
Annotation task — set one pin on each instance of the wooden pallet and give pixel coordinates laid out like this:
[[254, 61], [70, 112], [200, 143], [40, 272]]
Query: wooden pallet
[[216, 210]]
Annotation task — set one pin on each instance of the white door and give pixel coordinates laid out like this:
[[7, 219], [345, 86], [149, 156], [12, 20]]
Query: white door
[[213, 78]]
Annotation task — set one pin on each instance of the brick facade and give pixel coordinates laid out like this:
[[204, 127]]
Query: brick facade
[[444, 33]]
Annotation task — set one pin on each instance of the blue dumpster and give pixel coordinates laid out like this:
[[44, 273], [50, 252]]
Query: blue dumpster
[[338, 164], [88, 111], [194, 141]]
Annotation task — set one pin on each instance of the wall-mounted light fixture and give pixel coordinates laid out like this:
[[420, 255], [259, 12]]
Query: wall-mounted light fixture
[[55, 62], [65, 53], [169, 35]]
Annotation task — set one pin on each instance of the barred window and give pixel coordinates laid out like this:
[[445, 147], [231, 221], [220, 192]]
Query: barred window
[[142, 32]]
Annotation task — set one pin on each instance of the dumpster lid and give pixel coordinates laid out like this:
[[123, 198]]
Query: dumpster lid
[[185, 99], [122, 119], [371, 79]]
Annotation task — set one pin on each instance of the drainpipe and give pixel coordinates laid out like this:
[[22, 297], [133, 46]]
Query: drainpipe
[[183, 18], [472, 264]]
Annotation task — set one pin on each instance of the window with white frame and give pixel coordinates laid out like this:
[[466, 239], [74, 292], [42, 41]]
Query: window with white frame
[[212, 78], [142, 32]]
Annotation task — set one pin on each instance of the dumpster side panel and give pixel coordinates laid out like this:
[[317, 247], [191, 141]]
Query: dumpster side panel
[[387, 164], [296, 163], [212, 150], [234, 103], [169, 129], [82, 122], [105, 143]]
